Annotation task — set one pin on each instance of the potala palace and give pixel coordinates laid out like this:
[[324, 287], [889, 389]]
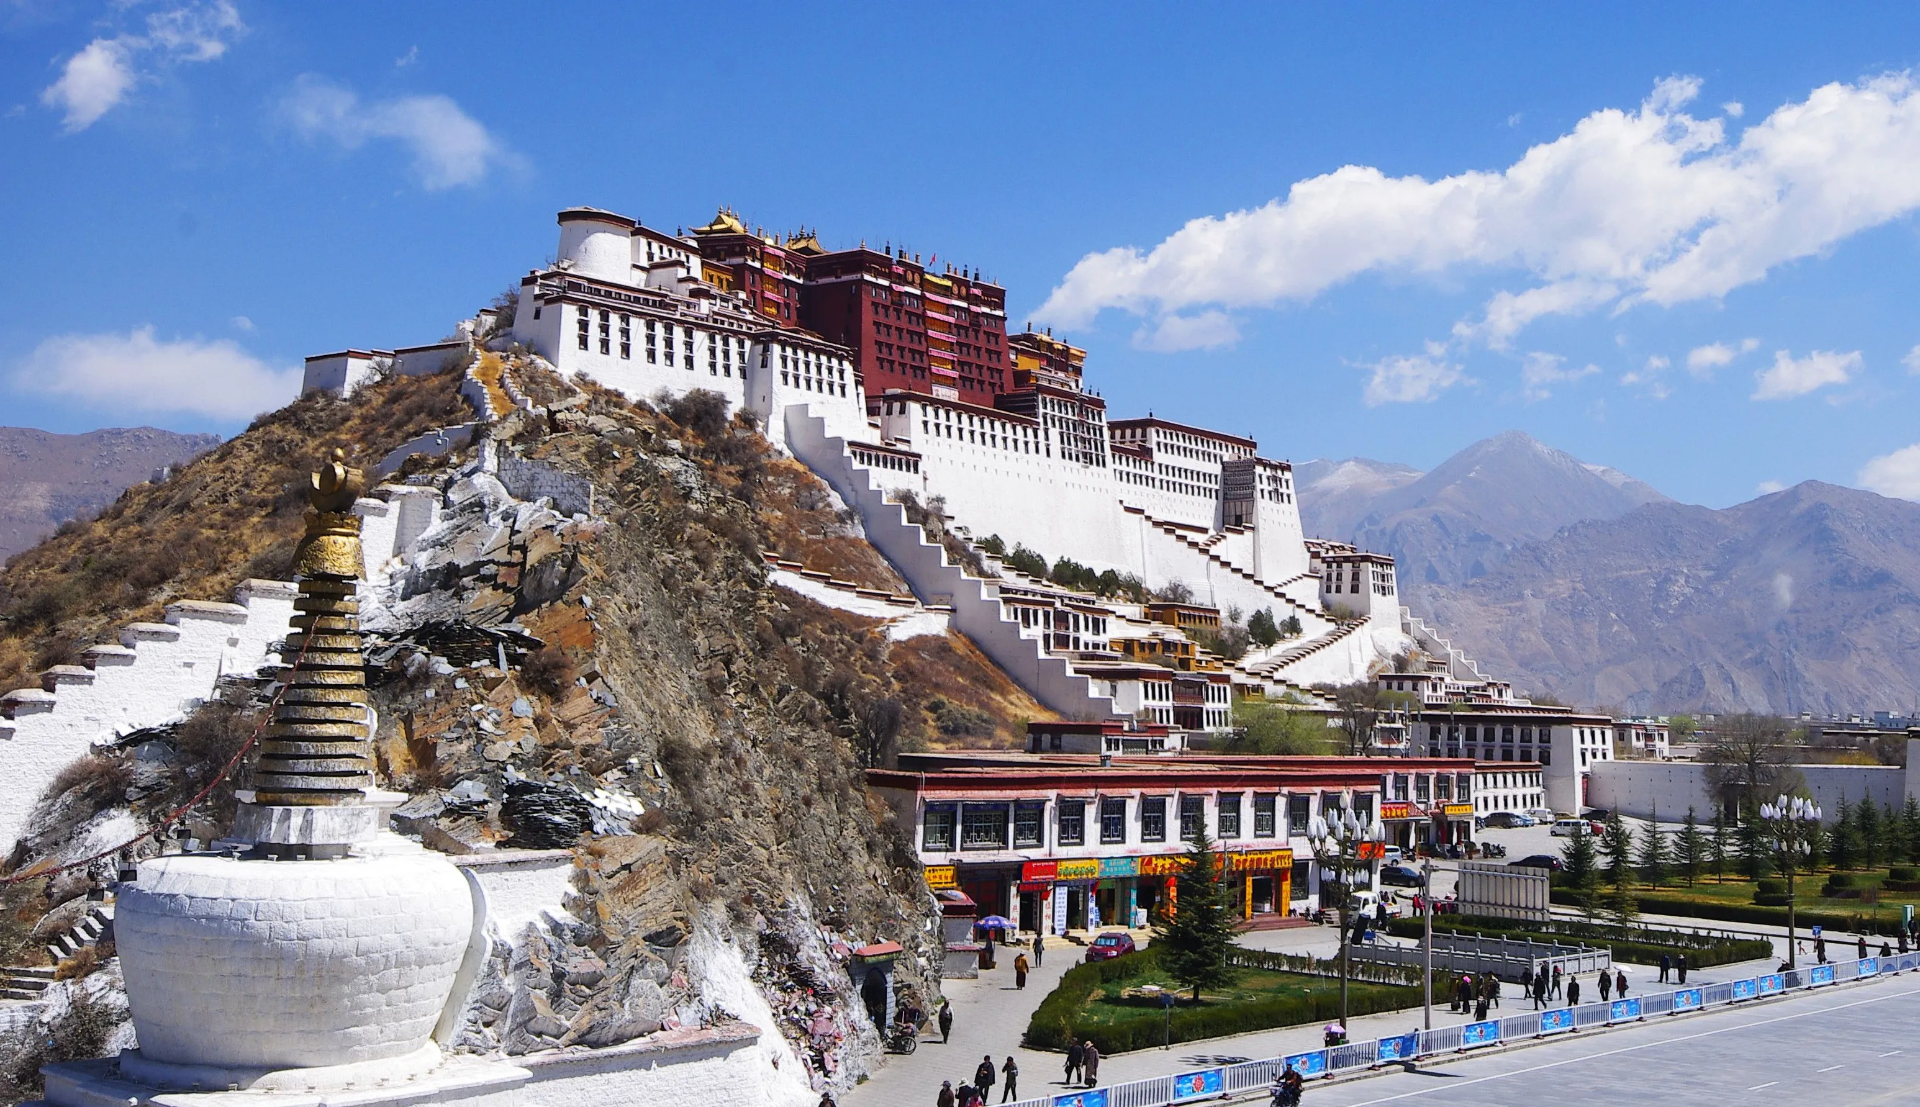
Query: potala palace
[[896, 381]]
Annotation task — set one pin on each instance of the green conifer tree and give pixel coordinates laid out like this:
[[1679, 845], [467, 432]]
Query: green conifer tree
[[1751, 842], [1616, 845], [1843, 840], [1654, 854], [1582, 873], [1196, 933], [1894, 831], [1866, 820], [1721, 844], [1690, 848]]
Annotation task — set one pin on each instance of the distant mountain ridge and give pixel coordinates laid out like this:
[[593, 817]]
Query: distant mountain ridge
[[1579, 580], [47, 478]]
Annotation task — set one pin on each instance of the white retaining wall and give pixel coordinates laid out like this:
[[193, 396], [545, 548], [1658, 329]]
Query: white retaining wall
[[977, 612], [1639, 788], [155, 675]]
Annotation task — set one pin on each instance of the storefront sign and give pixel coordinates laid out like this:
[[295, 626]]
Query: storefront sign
[[941, 877], [1034, 885], [1373, 851], [1164, 865], [1458, 810], [1035, 872], [1259, 860], [1113, 868], [1085, 868], [1398, 811]]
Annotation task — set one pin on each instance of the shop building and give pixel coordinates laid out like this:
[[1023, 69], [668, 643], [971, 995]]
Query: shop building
[[1060, 842]]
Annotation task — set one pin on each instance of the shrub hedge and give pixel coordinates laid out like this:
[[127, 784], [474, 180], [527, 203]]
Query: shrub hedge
[[1739, 912], [1058, 1017], [1635, 945]]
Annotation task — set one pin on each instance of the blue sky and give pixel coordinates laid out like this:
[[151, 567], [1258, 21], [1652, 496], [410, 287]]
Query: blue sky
[[1679, 243]]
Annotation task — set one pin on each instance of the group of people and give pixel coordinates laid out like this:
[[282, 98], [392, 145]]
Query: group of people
[[975, 1093], [1669, 964], [1476, 994]]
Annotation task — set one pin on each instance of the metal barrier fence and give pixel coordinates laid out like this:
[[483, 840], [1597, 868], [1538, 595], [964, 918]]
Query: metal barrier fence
[[1200, 1084]]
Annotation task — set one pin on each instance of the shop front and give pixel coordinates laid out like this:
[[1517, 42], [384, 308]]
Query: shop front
[[1259, 881], [1074, 906], [1453, 823], [1405, 825]]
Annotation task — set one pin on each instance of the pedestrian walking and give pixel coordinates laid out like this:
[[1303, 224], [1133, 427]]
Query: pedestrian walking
[[946, 1021], [1863, 947], [1076, 1056], [1606, 986], [1902, 938], [1009, 1079], [983, 1076], [1886, 950], [1620, 983], [1526, 981], [1480, 1009], [1039, 950], [1573, 992], [1681, 965], [1020, 968], [1820, 949], [946, 1096], [826, 1100], [1540, 990], [1666, 967], [1556, 982], [1493, 990], [969, 1096], [1090, 1067]]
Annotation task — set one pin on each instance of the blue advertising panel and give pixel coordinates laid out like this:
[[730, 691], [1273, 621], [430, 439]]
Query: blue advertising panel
[[1869, 966], [1092, 1097], [1194, 1085], [1821, 974], [1561, 1019], [1745, 989], [1773, 982], [1689, 999], [1307, 1064], [1479, 1034], [1403, 1048], [1621, 1009]]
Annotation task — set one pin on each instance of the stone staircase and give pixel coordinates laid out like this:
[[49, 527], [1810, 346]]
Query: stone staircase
[[95, 925], [1311, 618], [1459, 665], [936, 580], [24, 983]]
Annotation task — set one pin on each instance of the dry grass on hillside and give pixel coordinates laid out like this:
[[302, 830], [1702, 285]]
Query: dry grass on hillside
[[231, 514], [957, 699]]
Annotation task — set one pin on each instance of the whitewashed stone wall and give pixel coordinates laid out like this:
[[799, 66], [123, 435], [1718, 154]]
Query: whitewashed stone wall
[[157, 673]]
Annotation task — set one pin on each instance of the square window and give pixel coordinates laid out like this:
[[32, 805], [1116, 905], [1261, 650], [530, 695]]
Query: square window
[[1027, 824], [1113, 820], [1229, 814], [1153, 819], [936, 835], [1299, 813], [1193, 817], [983, 826], [1073, 822]]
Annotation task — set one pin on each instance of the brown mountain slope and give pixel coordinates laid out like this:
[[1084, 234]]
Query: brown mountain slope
[[1804, 600], [47, 479], [227, 515]]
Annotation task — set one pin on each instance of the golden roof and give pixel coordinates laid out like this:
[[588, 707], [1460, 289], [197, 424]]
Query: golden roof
[[725, 222]]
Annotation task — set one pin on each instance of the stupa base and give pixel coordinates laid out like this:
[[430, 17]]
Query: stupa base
[[466, 1081]]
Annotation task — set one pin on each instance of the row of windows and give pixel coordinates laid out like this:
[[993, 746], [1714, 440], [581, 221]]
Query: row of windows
[[946, 827]]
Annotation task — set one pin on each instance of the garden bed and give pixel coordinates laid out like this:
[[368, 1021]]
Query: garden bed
[[1634, 945], [1103, 1001]]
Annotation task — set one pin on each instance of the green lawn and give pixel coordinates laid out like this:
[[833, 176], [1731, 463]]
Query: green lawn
[[1108, 1007], [1867, 901]]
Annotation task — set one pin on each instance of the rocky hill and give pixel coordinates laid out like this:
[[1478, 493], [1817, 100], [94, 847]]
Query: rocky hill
[[1803, 600], [47, 479], [695, 733]]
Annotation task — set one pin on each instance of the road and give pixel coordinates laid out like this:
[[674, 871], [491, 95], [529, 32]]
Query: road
[[1836, 1048]]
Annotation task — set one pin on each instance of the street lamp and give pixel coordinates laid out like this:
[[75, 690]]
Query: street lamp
[[1791, 823], [1339, 845]]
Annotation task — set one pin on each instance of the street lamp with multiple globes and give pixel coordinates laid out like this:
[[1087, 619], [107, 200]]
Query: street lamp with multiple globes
[[1340, 845], [1791, 822]]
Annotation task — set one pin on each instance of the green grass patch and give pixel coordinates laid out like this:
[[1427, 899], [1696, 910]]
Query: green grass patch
[[1092, 1002]]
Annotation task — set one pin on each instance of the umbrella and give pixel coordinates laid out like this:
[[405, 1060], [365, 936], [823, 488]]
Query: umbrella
[[995, 922]]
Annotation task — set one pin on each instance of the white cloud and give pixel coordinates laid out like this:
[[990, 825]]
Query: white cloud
[[1650, 375], [1643, 206], [136, 372], [1912, 360], [1172, 333], [97, 78], [1542, 369], [1703, 360], [1412, 378], [1788, 377], [241, 323], [1769, 487], [1734, 108], [1783, 590], [449, 146], [1513, 120], [1894, 474], [412, 55]]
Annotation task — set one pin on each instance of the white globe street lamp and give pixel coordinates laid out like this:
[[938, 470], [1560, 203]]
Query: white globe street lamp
[[1342, 845], [1790, 822]]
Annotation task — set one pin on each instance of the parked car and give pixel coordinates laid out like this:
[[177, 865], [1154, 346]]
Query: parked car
[[1400, 876], [1541, 814], [1370, 903], [1392, 855], [1507, 820], [1567, 828], [1109, 946], [1538, 861]]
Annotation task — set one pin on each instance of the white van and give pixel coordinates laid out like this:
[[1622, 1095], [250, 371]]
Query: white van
[[1570, 828]]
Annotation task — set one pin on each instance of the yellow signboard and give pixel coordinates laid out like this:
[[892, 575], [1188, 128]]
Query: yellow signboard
[[941, 877], [1085, 868], [1259, 860], [1459, 810]]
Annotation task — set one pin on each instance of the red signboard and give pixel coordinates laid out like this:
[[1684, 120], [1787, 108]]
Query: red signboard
[[1372, 851], [1397, 811], [1034, 872]]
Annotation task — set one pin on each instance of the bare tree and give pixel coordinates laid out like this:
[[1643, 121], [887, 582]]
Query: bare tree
[[1744, 758], [1358, 708]]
